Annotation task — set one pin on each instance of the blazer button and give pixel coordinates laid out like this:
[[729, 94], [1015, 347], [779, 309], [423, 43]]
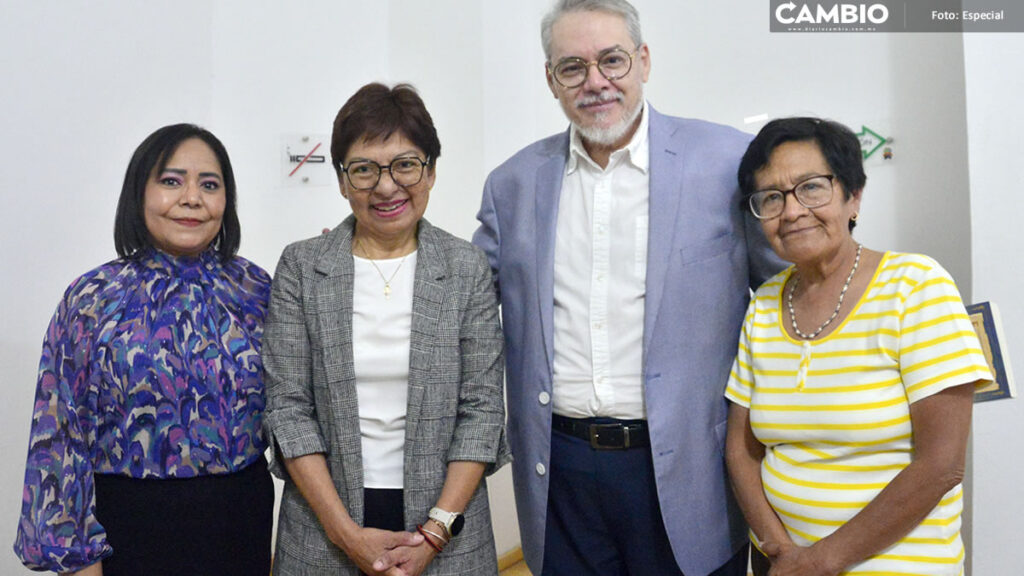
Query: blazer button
[[544, 398], [541, 470]]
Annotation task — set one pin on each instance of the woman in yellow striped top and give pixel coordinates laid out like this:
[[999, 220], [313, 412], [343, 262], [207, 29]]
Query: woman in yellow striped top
[[852, 388]]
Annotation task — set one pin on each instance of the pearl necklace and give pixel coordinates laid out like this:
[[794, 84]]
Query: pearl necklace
[[387, 281], [792, 289]]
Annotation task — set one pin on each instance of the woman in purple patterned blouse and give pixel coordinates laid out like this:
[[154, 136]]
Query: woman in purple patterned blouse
[[146, 449]]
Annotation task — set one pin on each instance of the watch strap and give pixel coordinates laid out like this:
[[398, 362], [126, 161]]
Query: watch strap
[[446, 519]]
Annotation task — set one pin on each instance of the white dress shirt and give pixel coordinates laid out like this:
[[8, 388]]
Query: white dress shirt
[[381, 329], [600, 274]]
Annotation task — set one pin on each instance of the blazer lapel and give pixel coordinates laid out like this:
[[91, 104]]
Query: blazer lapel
[[428, 295], [668, 155], [333, 289], [333, 300], [548, 191]]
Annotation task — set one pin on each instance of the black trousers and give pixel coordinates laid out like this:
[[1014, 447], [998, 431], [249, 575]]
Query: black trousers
[[383, 508], [759, 562]]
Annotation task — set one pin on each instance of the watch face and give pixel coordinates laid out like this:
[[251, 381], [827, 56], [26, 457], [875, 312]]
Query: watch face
[[457, 524]]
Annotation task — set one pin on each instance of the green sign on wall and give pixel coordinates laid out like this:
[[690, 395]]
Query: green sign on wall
[[870, 141]]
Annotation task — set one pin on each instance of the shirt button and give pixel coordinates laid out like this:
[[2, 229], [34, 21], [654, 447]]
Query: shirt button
[[541, 470], [544, 398]]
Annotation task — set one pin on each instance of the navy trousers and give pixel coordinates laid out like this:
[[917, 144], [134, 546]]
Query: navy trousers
[[603, 516]]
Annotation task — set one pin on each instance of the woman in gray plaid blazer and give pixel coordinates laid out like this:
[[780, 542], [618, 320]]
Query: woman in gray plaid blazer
[[384, 368]]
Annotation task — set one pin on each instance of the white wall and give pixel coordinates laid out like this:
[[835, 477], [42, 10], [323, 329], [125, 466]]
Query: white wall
[[280, 68], [83, 84], [995, 124]]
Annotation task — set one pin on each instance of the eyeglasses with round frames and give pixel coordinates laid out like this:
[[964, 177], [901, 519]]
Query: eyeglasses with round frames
[[812, 192], [613, 64], [365, 174]]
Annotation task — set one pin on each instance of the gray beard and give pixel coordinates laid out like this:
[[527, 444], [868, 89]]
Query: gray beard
[[613, 134]]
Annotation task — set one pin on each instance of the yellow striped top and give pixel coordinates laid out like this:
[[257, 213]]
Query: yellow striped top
[[834, 413]]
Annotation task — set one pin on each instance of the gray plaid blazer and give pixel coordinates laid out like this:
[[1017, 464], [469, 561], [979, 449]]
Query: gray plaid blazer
[[456, 408]]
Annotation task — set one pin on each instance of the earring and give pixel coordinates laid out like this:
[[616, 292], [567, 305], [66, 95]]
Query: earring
[[854, 217]]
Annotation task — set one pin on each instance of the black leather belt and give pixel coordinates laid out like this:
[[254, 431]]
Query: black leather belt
[[604, 435]]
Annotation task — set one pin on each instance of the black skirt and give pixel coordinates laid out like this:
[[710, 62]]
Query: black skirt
[[216, 525]]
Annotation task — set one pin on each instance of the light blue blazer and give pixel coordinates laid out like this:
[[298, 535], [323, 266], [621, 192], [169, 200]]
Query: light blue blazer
[[704, 254]]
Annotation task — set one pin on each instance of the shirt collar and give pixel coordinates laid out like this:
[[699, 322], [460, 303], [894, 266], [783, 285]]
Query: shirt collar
[[636, 152]]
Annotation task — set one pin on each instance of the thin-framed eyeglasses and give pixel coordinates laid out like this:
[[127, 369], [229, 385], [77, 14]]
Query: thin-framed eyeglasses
[[613, 64], [811, 192], [365, 174]]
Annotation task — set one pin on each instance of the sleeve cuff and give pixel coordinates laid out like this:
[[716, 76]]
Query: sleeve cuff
[[41, 557], [291, 438], [494, 453]]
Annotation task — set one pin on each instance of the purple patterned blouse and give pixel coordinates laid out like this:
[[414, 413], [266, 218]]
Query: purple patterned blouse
[[150, 369]]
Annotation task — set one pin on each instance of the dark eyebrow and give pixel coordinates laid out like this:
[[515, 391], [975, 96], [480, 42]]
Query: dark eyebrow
[[406, 154], [181, 172], [799, 180]]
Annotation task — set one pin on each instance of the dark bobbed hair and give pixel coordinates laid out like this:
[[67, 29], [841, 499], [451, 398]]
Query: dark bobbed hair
[[838, 144], [376, 112], [131, 236]]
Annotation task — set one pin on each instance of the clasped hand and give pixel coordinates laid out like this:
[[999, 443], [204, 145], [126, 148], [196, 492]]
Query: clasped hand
[[792, 560], [382, 552]]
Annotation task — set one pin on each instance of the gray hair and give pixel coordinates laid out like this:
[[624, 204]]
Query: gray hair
[[563, 7]]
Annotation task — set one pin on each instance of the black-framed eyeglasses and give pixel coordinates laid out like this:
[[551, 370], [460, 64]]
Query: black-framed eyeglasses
[[365, 174], [613, 64], [811, 192]]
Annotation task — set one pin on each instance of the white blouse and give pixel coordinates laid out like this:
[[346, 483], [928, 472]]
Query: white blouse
[[381, 328]]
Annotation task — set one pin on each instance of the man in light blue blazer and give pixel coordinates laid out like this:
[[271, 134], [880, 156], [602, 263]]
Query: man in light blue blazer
[[624, 265]]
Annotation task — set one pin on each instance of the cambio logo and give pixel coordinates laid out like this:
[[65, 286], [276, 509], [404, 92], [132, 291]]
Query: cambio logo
[[837, 14]]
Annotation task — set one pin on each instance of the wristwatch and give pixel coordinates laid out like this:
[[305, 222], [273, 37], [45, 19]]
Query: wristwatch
[[452, 522]]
